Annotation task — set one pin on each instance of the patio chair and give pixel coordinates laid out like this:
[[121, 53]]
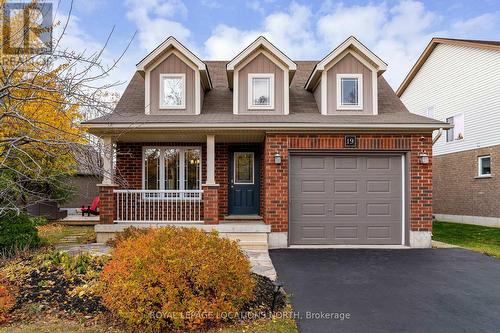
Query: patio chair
[[92, 209]]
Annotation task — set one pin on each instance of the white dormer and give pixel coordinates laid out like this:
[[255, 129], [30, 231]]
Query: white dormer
[[346, 80], [260, 77], [175, 79]]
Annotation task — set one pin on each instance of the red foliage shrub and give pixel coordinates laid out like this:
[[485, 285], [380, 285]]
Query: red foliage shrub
[[176, 278]]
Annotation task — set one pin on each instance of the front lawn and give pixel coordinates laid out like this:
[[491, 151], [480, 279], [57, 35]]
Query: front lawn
[[477, 238]]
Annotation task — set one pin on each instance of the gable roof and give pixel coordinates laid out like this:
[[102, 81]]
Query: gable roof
[[172, 43], [260, 42], [217, 110], [482, 44], [349, 43]]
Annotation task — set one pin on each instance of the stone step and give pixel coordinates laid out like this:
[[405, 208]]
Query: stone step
[[242, 218], [249, 236]]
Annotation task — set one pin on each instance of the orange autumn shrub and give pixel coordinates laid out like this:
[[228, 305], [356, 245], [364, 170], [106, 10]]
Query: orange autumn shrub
[[173, 278], [7, 300]]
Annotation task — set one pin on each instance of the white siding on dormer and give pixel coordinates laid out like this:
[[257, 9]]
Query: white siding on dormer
[[454, 80]]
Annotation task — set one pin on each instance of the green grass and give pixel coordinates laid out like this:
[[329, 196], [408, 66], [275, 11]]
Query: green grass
[[64, 325], [53, 233], [477, 238]]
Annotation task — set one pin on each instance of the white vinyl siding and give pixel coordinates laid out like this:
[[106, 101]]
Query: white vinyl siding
[[456, 80]]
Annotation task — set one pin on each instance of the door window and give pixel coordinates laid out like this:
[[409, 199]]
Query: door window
[[243, 168]]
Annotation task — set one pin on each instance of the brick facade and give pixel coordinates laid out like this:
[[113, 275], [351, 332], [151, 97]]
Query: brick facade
[[458, 191], [211, 204], [276, 176]]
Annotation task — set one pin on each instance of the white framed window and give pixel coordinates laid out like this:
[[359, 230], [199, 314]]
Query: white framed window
[[429, 112], [349, 91], [173, 91], [243, 168], [261, 91], [484, 166], [171, 168], [457, 132]]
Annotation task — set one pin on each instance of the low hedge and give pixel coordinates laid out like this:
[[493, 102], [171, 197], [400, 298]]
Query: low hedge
[[176, 278]]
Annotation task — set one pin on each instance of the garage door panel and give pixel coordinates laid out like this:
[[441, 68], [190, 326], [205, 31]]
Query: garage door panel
[[346, 199], [309, 209]]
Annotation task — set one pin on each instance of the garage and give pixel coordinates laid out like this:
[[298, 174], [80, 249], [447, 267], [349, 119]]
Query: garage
[[346, 199]]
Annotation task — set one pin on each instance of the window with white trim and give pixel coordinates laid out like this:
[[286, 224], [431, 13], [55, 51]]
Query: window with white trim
[[429, 112], [172, 168], [484, 166], [173, 91], [261, 91], [457, 132], [349, 91]]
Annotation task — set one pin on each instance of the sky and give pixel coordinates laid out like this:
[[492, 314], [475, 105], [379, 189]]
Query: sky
[[397, 31]]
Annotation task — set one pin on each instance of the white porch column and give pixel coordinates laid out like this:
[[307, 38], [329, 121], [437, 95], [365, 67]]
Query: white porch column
[[210, 159], [107, 160]]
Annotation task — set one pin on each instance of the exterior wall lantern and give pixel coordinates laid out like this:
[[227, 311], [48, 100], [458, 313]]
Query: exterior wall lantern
[[423, 158], [277, 158]]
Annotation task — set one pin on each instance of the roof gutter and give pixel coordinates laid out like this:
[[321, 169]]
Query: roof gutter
[[261, 126]]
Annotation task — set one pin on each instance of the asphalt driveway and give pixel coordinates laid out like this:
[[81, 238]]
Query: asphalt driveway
[[431, 290]]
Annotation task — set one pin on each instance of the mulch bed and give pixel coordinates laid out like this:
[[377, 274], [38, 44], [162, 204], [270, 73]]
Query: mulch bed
[[50, 288]]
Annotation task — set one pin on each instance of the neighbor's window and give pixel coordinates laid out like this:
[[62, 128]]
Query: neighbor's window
[[243, 168], [172, 91], [172, 168], [260, 91], [457, 132], [349, 91], [484, 166]]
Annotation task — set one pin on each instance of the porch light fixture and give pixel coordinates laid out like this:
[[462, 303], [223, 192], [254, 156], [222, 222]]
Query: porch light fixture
[[423, 158], [277, 158]]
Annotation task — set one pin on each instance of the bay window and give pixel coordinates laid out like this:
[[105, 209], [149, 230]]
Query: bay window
[[172, 168]]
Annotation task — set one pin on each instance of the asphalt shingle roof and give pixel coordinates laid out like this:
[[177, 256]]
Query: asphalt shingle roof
[[218, 105]]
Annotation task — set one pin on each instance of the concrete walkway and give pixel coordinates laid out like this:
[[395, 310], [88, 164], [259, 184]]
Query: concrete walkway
[[259, 259]]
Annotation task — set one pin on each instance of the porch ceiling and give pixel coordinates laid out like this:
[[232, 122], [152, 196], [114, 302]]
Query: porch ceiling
[[188, 136]]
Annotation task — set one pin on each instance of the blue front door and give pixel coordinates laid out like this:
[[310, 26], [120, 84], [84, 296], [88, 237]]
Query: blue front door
[[244, 181]]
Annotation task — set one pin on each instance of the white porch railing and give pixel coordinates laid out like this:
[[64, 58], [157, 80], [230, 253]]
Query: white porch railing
[[156, 206]]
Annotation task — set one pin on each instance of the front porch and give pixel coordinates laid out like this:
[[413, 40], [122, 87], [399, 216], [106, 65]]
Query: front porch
[[201, 184]]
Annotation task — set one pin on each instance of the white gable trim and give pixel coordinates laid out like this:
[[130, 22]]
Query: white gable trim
[[351, 42], [286, 76], [261, 41], [170, 42], [188, 62], [323, 82]]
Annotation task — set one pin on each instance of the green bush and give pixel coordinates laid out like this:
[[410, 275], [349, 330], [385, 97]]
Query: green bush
[[17, 232]]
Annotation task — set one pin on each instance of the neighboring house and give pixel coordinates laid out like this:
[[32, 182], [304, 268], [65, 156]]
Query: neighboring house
[[458, 81], [88, 173], [266, 149]]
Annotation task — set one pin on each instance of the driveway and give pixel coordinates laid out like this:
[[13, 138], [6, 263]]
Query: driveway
[[431, 290]]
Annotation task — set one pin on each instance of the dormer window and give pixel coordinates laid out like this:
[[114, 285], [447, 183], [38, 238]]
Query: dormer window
[[349, 91], [261, 91], [173, 91]]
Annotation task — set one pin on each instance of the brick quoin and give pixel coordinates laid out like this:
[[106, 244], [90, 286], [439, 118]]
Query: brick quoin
[[275, 205]]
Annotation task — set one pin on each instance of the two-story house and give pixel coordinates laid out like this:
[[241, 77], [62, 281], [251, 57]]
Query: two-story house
[[268, 150], [458, 81]]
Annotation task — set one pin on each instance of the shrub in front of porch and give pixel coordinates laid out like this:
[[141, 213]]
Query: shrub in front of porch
[[176, 278]]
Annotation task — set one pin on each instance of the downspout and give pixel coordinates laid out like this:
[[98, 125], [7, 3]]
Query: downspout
[[437, 136]]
